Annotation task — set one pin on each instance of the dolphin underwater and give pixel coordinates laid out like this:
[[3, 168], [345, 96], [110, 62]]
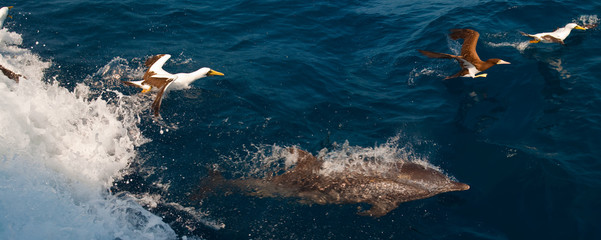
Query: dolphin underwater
[[402, 182]]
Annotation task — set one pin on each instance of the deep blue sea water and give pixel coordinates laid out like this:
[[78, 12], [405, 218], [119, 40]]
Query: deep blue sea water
[[81, 156]]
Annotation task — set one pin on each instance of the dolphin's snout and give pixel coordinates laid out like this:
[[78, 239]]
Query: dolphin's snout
[[457, 186]]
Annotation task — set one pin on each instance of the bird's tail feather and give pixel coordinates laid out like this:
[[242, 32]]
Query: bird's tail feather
[[534, 38], [132, 83], [526, 34], [145, 88]]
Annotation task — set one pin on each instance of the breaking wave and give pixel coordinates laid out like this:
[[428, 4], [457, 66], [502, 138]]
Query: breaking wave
[[60, 152]]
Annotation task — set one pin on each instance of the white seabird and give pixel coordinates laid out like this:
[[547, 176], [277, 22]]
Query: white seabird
[[4, 14], [556, 36], [155, 76]]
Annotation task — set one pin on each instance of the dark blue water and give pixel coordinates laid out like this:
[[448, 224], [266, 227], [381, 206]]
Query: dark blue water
[[325, 75]]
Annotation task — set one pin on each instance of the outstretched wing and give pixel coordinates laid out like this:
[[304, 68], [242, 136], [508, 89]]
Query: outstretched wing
[[155, 63], [10, 74], [156, 105], [157, 80], [470, 40], [436, 55]]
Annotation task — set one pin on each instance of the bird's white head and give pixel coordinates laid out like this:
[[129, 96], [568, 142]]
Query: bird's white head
[[574, 26], [183, 80], [211, 72]]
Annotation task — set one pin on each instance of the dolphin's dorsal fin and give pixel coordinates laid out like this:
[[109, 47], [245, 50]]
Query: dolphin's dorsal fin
[[305, 162]]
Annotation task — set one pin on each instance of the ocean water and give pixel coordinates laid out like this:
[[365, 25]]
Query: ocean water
[[82, 157]]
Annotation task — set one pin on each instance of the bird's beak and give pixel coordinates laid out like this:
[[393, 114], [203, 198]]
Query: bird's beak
[[9, 7], [214, 73], [503, 62], [580, 28]]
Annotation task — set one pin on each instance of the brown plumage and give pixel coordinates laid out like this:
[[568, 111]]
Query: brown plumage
[[470, 62], [10, 74]]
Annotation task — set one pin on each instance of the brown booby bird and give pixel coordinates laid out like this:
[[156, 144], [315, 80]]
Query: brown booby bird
[[156, 77], [470, 63], [556, 36], [10, 74]]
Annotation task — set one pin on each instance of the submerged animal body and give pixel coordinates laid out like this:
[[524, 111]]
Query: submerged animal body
[[557, 36], [470, 62], [156, 77], [403, 182]]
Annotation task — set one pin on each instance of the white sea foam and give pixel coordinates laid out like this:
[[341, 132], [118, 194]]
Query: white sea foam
[[520, 46], [341, 158], [369, 161], [262, 160], [588, 20], [60, 152], [416, 73]]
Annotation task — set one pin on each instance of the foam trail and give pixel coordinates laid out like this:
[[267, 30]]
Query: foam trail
[[59, 153], [520, 46], [416, 73]]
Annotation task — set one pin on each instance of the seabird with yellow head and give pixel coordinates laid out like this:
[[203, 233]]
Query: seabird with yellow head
[[556, 36], [156, 77], [469, 60]]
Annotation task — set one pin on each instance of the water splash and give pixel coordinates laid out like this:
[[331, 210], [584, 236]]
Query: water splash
[[266, 160], [416, 73], [370, 161], [520, 45], [65, 149], [590, 21]]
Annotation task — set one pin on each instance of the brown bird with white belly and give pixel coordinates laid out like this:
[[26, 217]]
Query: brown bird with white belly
[[470, 62]]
